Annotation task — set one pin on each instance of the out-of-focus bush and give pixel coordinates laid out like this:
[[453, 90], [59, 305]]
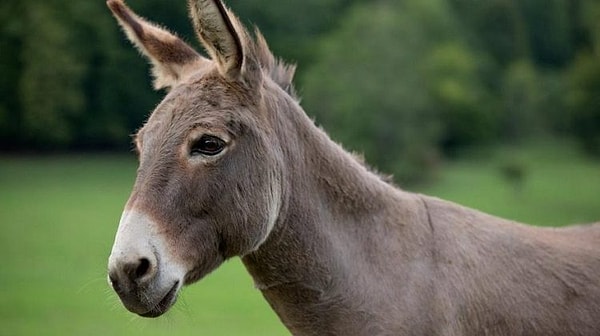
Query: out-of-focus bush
[[584, 102], [395, 81]]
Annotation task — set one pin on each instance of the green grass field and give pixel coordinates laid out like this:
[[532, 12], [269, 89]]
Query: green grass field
[[560, 185], [59, 214]]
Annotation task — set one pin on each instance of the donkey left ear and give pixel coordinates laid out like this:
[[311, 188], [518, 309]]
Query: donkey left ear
[[172, 59], [221, 34]]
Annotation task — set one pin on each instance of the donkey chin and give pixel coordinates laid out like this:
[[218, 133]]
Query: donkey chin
[[141, 271]]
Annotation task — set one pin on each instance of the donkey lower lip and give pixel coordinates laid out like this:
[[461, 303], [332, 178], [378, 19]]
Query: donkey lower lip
[[167, 301]]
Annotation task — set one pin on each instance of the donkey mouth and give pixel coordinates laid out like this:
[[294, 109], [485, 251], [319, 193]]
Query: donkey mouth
[[164, 304]]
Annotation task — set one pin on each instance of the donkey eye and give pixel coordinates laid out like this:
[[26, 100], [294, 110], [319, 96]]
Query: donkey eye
[[207, 145]]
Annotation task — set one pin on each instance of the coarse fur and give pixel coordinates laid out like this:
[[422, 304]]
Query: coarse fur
[[333, 247]]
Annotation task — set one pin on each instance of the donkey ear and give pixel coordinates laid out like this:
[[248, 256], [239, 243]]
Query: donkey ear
[[172, 59], [217, 32]]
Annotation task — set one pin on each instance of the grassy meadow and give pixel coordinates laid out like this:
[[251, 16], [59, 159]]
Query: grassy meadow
[[560, 185], [59, 214]]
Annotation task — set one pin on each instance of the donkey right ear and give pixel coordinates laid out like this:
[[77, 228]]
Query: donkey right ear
[[172, 59]]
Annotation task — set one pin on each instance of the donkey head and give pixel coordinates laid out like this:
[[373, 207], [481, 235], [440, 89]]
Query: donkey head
[[209, 183]]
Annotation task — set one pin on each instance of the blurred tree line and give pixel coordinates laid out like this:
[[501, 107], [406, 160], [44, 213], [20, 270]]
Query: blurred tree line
[[426, 78]]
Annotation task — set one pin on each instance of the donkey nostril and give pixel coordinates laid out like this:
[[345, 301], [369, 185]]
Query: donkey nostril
[[143, 268], [136, 271]]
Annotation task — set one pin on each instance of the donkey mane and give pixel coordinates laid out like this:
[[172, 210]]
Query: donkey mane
[[280, 72]]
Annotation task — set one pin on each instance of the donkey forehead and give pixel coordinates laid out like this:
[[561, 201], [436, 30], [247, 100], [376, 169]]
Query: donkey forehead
[[204, 94], [208, 101]]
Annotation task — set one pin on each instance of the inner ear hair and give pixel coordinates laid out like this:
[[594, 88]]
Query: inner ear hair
[[216, 29]]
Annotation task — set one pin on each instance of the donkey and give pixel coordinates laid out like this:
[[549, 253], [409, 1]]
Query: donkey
[[230, 165]]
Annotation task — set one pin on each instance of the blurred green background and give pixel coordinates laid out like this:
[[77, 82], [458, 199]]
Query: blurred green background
[[494, 104]]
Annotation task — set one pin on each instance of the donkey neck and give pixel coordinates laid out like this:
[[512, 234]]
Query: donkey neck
[[321, 170], [339, 222]]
